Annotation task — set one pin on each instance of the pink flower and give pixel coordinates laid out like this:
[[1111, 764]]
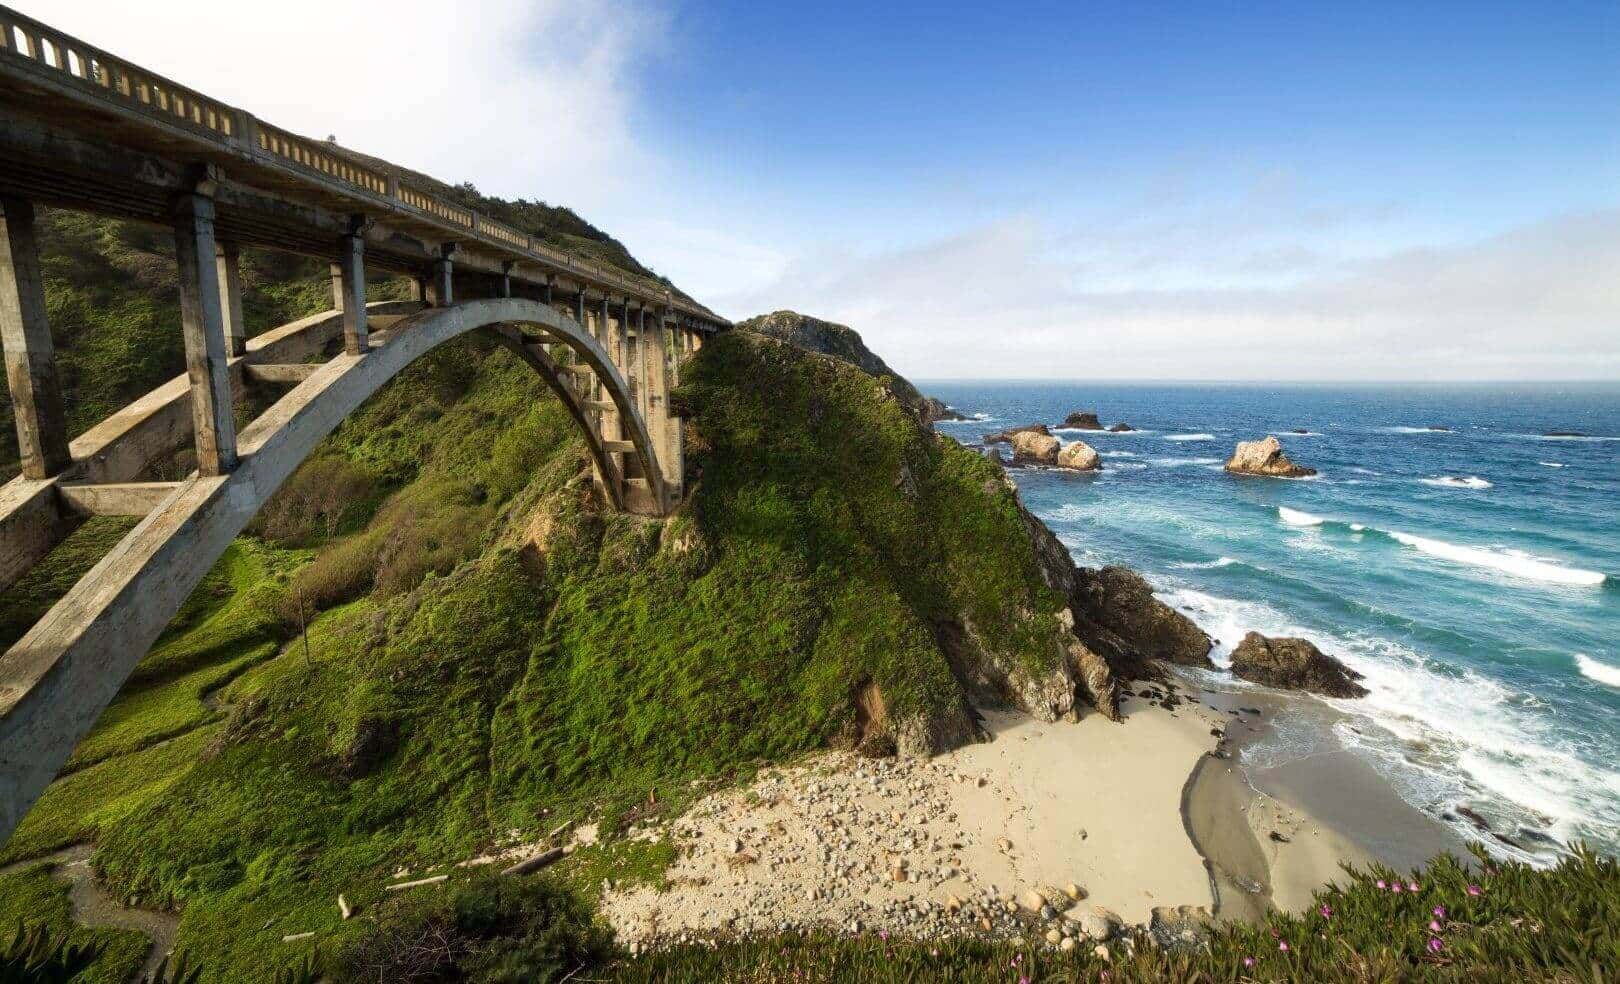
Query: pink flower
[[1381, 883], [933, 951], [1413, 886], [1434, 926], [1435, 946], [1248, 961], [1440, 912], [883, 935], [1396, 888], [1283, 946], [1023, 980], [1326, 911], [1473, 890]]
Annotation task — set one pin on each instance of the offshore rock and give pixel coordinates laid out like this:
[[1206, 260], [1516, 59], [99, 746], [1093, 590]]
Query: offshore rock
[[1030, 447], [1294, 664], [1079, 456], [1083, 420], [1006, 436], [1265, 457], [1121, 428]]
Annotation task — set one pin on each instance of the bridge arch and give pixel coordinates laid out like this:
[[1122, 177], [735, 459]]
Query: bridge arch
[[57, 679]]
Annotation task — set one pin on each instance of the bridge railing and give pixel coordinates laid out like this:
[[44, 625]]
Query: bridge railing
[[107, 77]]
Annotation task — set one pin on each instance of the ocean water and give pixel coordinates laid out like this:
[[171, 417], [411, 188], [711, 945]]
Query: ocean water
[[1473, 575]]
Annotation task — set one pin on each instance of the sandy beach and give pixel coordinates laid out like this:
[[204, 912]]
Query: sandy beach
[[1080, 819]]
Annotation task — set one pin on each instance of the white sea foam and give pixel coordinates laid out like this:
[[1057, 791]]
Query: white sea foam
[[1117, 454], [1457, 482], [1413, 430], [1553, 464], [1443, 736], [1603, 673], [1180, 462], [1189, 565], [1189, 437], [1515, 563], [1357, 527], [1293, 517]]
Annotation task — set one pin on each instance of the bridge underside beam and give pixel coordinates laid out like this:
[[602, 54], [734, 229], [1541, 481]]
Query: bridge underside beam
[[116, 499], [125, 446]]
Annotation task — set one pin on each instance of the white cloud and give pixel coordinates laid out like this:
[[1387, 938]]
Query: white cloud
[[1536, 302], [525, 98]]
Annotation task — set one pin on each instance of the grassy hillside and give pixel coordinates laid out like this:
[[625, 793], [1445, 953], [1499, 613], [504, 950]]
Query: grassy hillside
[[489, 654]]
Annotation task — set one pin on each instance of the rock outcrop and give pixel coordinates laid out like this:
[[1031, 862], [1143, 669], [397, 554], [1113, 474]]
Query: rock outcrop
[[1265, 457], [1079, 456], [843, 342], [1119, 629], [1083, 420], [940, 410], [1006, 436], [1132, 625], [1294, 664], [1121, 428], [1032, 448]]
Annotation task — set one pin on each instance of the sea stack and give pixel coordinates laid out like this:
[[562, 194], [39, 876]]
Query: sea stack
[[1265, 457], [1083, 420], [1079, 456], [1031, 447], [1294, 664]]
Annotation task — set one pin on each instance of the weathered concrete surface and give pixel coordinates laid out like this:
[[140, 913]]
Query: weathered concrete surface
[[55, 682], [122, 447], [25, 333], [119, 499]]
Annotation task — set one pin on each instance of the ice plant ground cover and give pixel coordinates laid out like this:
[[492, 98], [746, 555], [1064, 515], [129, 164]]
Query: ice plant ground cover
[[1479, 921]]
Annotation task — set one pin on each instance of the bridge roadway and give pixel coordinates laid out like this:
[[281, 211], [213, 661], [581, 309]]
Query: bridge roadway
[[81, 129]]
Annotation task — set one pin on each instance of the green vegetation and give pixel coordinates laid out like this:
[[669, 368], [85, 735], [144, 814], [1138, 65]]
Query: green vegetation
[[433, 644], [38, 918], [1507, 923]]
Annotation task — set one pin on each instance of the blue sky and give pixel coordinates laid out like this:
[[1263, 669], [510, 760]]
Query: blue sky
[[1221, 190]]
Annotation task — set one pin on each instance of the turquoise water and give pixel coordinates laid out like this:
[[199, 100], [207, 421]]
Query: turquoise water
[[1472, 575]]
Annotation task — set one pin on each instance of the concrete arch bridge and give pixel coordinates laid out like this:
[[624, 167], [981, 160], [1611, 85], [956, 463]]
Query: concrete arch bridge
[[82, 129]]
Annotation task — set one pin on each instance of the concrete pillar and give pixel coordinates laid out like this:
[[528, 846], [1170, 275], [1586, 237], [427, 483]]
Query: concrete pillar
[[548, 291], [349, 283], [442, 288], [25, 332], [506, 278], [203, 322], [419, 290], [672, 449], [228, 266]]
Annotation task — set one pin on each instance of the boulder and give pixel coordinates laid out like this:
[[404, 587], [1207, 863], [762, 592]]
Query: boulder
[[1006, 436], [1121, 428], [1083, 420], [1180, 929], [1294, 664], [1565, 434], [1265, 457], [934, 409], [1030, 447], [1079, 456]]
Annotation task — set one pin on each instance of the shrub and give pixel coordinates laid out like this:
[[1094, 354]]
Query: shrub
[[491, 929], [315, 502]]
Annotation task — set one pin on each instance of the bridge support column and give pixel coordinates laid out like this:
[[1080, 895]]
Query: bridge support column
[[506, 278], [670, 438], [442, 289], [349, 292], [25, 333], [228, 267], [202, 320], [419, 290]]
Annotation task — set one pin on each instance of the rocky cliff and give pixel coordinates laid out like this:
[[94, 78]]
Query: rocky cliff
[[843, 342]]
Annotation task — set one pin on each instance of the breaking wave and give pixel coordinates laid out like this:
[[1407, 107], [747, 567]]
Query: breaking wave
[[1293, 517], [1603, 673], [1189, 437], [1456, 482]]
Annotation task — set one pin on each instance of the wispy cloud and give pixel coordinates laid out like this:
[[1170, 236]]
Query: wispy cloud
[[1538, 301]]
